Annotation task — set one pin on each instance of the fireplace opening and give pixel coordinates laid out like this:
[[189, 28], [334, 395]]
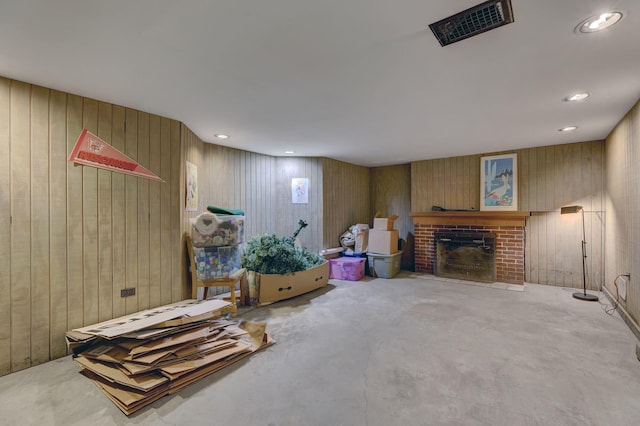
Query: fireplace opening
[[468, 255]]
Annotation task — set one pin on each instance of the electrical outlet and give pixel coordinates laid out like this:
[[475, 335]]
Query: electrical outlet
[[622, 286], [126, 292]]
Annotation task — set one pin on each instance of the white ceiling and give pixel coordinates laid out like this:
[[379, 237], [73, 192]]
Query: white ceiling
[[363, 81]]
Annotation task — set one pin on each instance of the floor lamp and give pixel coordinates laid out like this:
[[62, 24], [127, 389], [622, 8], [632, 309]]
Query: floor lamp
[[584, 295]]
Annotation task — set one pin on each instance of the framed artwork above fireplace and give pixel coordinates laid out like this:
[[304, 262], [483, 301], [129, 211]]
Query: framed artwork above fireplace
[[499, 182]]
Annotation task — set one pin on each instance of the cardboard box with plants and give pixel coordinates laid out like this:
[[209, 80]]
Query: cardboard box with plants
[[278, 269]]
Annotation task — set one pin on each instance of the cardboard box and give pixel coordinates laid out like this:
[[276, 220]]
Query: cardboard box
[[383, 242], [331, 253], [274, 287], [384, 223]]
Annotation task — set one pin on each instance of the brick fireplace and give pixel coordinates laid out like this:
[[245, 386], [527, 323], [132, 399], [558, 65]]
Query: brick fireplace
[[508, 228]]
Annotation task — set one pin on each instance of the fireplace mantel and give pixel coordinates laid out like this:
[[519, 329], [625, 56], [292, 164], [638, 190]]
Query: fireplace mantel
[[488, 218]]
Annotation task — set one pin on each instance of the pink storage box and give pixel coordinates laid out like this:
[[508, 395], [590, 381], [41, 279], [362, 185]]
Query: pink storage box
[[347, 268]]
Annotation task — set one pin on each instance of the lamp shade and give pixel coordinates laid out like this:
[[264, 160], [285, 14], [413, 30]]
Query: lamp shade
[[570, 209]]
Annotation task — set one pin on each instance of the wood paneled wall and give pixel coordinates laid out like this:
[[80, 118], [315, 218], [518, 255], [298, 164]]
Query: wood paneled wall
[[239, 179], [391, 194], [556, 176], [347, 199], [71, 237], [623, 208], [452, 183], [548, 178], [287, 215], [233, 178]]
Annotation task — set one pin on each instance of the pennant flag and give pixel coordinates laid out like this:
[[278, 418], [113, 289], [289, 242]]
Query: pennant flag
[[90, 150]]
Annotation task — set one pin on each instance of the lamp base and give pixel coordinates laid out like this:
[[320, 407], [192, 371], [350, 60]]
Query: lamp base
[[586, 296]]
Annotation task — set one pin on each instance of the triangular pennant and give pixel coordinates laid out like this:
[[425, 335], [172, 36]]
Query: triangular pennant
[[92, 151]]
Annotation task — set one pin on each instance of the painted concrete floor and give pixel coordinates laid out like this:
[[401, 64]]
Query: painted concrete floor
[[403, 351]]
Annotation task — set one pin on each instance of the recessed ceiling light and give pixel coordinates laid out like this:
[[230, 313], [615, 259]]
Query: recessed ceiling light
[[576, 97], [568, 129], [289, 152], [598, 23], [221, 136]]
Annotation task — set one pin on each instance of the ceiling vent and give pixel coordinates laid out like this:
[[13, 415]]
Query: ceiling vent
[[473, 21]]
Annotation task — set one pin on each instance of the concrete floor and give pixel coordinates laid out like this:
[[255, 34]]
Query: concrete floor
[[405, 351]]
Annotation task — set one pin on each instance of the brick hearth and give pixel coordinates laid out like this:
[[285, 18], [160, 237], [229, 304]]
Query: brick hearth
[[510, 239]]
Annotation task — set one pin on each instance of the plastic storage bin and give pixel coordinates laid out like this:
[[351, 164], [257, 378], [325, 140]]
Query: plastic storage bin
[[384, 266], [347, 268], [211, 230], [216, 262]]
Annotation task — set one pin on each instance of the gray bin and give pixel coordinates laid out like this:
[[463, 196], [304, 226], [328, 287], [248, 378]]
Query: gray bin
[[384, 265]]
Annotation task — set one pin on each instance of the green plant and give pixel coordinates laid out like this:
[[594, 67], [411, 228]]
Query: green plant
[[271, 254]]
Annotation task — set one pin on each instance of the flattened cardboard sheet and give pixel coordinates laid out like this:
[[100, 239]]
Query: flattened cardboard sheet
[[144, 319], [113, 374], [170, 341]]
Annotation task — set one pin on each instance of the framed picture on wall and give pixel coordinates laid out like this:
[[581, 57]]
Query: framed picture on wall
[[191, 182], [499, 182], [300, 190]]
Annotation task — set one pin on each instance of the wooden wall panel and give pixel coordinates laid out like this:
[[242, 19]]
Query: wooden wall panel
[[557, 176], [233, 178], [261, 186], [142, 219], [90, 223], [5, 226], [118, 217], [524, 186], [391, 193], [70, 236], [192, 148], [289, 214], [452, 183], [105, 223], [150, 295], [548, 178], [165, 213], [138, 134], [40, 238], [178, 268], [58, 224], [622, 241], [229, 178], [75, 219], [20, 226], [346, 195]]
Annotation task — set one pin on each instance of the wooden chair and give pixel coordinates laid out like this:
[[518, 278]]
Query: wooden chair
[[230, 282]]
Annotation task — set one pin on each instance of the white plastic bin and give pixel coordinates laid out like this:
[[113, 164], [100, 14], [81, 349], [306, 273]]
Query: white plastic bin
[[210, 230], [384, 265]]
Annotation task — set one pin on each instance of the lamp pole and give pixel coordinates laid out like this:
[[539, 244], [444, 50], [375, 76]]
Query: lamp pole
[[584, 295]]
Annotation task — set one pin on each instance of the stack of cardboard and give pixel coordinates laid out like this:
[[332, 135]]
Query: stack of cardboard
[[138, 359], [383, 239]]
